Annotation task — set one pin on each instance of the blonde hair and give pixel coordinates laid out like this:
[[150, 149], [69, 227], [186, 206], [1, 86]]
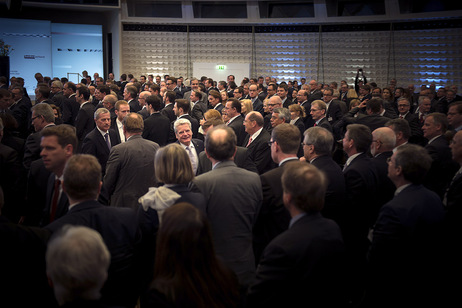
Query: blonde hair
[[248, 105], [172, 165]]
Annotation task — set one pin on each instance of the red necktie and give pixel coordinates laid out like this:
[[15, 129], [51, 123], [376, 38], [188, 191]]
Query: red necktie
[[54, 201], [315, 124], [250, 140]]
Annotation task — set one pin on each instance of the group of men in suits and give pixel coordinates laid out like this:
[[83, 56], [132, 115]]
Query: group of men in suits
[[356, 191]]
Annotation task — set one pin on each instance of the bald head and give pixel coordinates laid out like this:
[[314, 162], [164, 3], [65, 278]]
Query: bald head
[[273, 103], [383, 140]]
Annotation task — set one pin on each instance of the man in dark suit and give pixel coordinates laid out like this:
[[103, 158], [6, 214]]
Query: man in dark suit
[[130, 96], [333, 109], [157, 126], [58, 145], [373, 119], [84, 123], [181, 109], [317, 150], [144, 112], [123, 186], [404, 110], [231, 212], [99, 141], [236, 121], [383, 143], [169, 103], [256, 102], [193, 146], [318, 114], [443, 167], [257, 142], [118, 227], [20, 109], [70, 107], [273, 218], [314, 92], [406, 237], [361, 186], [308, 256], [199, 106], [57, 97], [23, 255], [42, 116]]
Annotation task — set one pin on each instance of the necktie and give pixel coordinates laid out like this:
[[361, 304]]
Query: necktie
[[250, 141], [192, 158], [421, 117], [106, 137], [54, 201], [315, 124]]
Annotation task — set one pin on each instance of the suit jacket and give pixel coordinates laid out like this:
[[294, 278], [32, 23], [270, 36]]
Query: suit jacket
[[241, 159], [334, 112], [198, 110], [21, 112], [129, 172], [317, 94], [84, 123], [168, 112], [95, 144], [258, 106], [273, 218], [405, 240], [204, 99], [144, 112], [70, 110], [58, 99], [157, 129], [325, 124], [334, 203], [121, 233], [260, 152], [134, 105], [308, 256], [63, 202], [387, 188], [238, 126], [232, 214], [372, 121], [23, 255], [32, 149], [36, 193], [219, 107], [443, 167], [198, 145]]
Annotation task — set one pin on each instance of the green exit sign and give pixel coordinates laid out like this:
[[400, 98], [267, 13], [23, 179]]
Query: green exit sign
[[221, 67]]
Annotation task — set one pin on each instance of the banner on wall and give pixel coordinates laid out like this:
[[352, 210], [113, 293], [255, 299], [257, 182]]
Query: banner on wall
[[54, 50]]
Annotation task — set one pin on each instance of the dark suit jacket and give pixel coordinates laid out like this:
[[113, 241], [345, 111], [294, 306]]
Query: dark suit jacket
[[317, 94], [258, 106], [443, 167], [63, 202], [241, 159], [308, 256], [198, 110], [386, 187], [134, 105], [58, 99], [95, 144], [334, 203], [325, 124], [238, 126], [406, 240], [32, 149], [260, 152], [372, 121], [273, 218], [168, 112], [157, 128], [120, 231], [70, 110], [219, 107], [21, 112], [84, 123], [36, 195], [334, 113], [23, 255], [144, 112]]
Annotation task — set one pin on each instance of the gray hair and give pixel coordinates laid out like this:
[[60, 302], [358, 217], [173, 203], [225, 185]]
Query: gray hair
[[320, 138], [44, 110], [284, 114], [179, 122], [100, 111]]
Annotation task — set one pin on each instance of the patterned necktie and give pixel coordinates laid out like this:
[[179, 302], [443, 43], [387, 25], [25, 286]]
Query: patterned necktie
[[106, 137], [192, 158], [54, 201]]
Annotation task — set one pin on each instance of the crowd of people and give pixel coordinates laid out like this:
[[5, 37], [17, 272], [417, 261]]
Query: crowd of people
[[164, 192]]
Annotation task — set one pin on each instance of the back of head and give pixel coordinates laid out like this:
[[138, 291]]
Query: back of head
[[306, 185], [320, 138], [45, 111], [361, 135], [414, 161], [220, 143], [440, 119], [82, 177], [375, 105], [400, 126], [183, 104], [77, 263], [287, 137], [133, 123], [154, 102], [172, 165]]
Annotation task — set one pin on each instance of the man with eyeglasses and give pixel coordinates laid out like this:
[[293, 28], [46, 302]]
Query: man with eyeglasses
[[404, 107], [57, 95], [238, 93], [194, 84], [333, 109]]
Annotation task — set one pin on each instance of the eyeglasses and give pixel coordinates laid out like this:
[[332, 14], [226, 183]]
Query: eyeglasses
[[33, 118], [307, 144], [270, 142], [378, 141]]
